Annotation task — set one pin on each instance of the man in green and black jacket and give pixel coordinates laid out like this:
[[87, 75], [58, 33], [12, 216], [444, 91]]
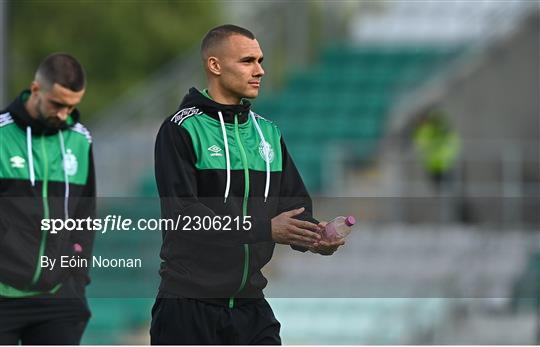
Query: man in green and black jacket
[[227, 173], [46, 172]]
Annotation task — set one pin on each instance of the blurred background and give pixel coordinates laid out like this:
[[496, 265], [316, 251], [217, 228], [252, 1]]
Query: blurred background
[[421, 118]]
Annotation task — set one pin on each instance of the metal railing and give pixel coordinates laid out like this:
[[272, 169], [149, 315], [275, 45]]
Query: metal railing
[[497, 180]]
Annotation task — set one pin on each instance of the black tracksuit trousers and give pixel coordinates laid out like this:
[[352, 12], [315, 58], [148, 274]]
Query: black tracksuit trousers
[[179, 321], [50, 320]]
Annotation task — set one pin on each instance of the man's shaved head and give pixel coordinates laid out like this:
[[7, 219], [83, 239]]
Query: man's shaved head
[[215, 37]]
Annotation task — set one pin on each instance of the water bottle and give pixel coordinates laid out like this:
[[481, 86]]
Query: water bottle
[[338, 228]]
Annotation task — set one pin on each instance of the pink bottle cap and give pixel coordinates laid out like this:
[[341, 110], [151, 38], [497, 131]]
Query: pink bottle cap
[[350, 221]]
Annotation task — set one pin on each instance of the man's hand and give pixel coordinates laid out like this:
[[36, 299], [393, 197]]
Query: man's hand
[[326, 247], [290, 231]]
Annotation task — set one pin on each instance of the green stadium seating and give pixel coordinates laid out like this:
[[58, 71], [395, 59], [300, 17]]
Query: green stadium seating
[[346, 97], [356, 321]]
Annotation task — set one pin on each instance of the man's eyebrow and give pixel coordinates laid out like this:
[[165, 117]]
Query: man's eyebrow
[[250, 58], [61, 104]]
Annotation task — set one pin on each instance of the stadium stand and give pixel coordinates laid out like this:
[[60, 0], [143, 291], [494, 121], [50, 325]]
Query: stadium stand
[[347, 96]]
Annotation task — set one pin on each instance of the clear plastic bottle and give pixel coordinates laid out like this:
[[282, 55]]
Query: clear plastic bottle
[[338, 228]]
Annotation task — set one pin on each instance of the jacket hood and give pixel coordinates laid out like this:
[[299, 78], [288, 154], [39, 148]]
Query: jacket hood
[[195, 98], [23, 119]]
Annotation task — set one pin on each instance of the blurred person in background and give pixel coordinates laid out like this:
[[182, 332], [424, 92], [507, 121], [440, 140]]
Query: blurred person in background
[[438, 146], [46, 172], [213, 158]]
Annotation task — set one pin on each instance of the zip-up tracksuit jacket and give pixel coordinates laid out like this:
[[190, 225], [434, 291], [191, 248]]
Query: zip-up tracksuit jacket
[[44, 173], [211, 161]]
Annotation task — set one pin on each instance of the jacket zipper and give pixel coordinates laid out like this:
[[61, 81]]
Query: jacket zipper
[[244, 210], [44, 197]]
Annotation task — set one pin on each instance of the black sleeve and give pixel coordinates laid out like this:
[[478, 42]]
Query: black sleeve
[[176, 178], [293, 193], [85, 208]]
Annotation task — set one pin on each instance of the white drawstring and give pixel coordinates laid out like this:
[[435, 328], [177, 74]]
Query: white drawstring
[[30, 156], [31, 165], [226, 143], [266, 151], [66, 179]]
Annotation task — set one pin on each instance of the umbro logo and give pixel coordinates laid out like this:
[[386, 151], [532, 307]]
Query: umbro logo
[[17, 162], [216, 151]]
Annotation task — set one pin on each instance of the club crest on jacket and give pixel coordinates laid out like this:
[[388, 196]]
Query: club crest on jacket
[[70, 163], [265, 147]]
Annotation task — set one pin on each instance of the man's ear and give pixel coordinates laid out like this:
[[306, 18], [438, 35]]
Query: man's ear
[[213, 65], [35, 87]]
